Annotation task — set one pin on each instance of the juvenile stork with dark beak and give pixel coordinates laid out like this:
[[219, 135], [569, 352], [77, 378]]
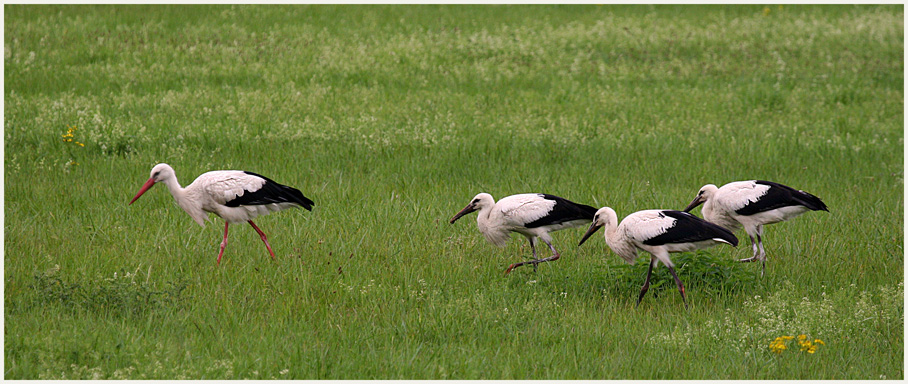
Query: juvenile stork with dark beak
[[752, 204], [533, 215], [658, 232], [235, 196]]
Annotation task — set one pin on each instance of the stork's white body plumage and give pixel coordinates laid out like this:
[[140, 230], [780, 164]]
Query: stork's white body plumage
[[534, 215], [753, 204], [659, 232], [513, 213], [211, 191], [235, 196]]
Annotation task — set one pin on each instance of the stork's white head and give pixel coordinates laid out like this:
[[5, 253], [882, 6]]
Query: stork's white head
[[480, 201], [159, 173], [604, 217], [705, 193]]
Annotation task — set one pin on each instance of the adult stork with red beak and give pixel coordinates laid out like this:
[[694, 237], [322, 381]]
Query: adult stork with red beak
[[235, 196]]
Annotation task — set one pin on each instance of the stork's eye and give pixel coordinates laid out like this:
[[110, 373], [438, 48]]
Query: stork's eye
[[475, 201], [155, 176]]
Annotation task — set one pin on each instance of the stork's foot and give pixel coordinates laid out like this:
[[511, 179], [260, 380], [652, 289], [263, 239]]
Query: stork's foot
[[533, 262], [515, 265], [760, 258]]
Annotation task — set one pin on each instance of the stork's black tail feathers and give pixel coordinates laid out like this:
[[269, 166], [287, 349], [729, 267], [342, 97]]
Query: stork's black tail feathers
[[588, 211], [689, 228], [297, 197], [779, 196], [810, 201], [563, 211], [724, 234], [578, 211], [272, 193]]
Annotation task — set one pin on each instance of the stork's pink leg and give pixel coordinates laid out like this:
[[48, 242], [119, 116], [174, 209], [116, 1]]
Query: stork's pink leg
[[223, 243], [679, 284], [262, 234]]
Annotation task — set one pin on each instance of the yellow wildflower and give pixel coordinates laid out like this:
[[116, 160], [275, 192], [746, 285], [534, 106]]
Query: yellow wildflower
[[766, 11], [779, 344], [809, 346], [69, 136]]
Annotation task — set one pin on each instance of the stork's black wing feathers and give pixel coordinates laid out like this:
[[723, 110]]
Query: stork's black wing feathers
[[688, 229], [563, 211], [779, 196], [271, 193]]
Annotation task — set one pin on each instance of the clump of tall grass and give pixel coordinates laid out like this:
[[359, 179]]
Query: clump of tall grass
[[700, 271], [122, 294]]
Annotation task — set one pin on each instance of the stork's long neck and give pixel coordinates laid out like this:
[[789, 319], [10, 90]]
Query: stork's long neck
[[175, 189], [708, 210], [714, 215], [182, 196], [179, 194], [482, 219]]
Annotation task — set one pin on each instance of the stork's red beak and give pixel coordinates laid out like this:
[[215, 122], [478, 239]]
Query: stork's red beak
[[589, 232], [693, 204], [148, 184], [469, 208]]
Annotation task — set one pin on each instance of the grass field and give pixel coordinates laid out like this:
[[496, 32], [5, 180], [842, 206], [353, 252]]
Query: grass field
[[391, 118]]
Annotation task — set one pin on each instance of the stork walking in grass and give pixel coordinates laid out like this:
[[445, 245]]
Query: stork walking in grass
[[753, 204], [235, 196], [658, 232], [534, 215]]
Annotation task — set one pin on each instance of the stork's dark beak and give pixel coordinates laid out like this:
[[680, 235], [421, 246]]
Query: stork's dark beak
[[693, 204], [589, 232], [148, 184], [469, 208]]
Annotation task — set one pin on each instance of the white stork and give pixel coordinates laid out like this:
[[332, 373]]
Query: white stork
[[533, 215], [752, 204], [235, 196], [658, 232]]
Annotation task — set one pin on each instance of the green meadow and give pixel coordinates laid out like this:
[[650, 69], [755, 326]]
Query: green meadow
[[391, 118]]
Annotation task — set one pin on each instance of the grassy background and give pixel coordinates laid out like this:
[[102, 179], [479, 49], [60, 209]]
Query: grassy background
[[391, 118]]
